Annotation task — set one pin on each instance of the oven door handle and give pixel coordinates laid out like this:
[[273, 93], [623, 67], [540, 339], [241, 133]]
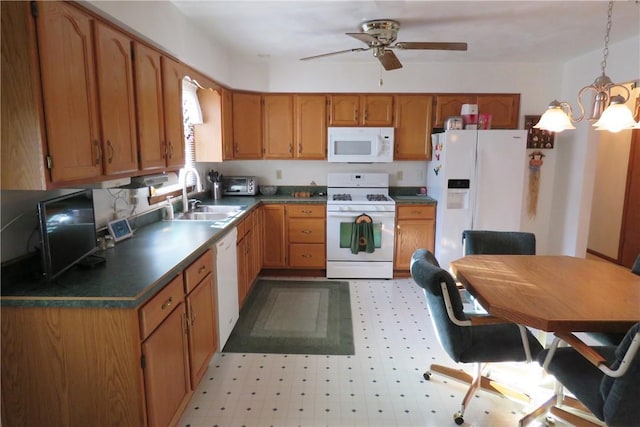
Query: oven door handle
[[374, 215]]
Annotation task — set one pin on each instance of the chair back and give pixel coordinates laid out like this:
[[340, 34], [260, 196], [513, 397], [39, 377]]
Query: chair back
[[636, 266], [620, 394], [429, 276], [498, 242]]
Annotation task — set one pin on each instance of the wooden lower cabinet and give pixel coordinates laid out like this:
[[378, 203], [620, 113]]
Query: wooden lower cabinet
[[166, 372], [415, 229], [274, 244], [81, 366], [249, 252], [306, 235]]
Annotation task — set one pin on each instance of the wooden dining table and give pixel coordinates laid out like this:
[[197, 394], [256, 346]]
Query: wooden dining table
[[553, 293]]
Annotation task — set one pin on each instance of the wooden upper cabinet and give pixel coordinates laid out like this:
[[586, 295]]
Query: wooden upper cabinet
[[361, 110], [172, 75], [310, 113], [247, 126], [377, 110], [117, 106], [344, 110], [67, 61], [148, 80], [277, 120], [504, 109], [227, 123], [413, 127], [450, 105]]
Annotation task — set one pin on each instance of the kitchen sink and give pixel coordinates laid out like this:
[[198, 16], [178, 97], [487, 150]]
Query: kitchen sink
[[217, 213]]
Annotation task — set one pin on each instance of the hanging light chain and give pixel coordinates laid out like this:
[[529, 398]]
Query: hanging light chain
[[605, 51]]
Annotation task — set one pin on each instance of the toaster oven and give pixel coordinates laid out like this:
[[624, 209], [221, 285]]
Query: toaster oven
[[239, 185]]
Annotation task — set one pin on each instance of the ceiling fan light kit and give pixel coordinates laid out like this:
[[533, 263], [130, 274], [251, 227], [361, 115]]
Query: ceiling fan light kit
[[608, 112], [379, 36]]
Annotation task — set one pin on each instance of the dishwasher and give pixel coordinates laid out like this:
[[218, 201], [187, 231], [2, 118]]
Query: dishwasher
[[227, 285]]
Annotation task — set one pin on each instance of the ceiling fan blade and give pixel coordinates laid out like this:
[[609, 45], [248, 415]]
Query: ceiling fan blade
[[389, 60], [357, 49], [365, 38], [431, 45]]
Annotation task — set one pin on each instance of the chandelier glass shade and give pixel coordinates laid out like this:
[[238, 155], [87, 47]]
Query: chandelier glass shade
[[608, 111]]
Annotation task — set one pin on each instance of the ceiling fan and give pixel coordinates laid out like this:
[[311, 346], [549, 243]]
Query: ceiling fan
[[379, 35]]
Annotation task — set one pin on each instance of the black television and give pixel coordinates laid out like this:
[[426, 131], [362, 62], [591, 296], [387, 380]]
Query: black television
[[67, 231]]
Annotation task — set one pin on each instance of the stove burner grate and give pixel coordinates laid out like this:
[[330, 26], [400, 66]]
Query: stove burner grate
[[377, 198], [342, 197]]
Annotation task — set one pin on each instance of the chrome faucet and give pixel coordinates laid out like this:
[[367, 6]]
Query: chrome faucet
[[185, 200]]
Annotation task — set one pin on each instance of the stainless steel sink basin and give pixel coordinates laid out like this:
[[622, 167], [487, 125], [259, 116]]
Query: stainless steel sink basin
[[216, 213]]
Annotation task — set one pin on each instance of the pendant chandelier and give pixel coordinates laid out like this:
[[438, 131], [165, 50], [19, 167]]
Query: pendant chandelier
[[609, 112]]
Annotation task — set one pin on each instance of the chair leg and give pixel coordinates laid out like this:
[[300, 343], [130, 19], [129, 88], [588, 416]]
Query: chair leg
[[485, 383]]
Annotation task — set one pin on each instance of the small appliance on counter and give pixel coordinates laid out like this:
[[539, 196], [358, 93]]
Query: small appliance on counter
[[239, 186]]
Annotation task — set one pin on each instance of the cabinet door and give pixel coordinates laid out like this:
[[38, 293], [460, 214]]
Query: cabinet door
[[247, 128], [274, 237], [413, 127], [166, 377], [377, 110], [412, 234], [203, 329], [450, 105], [243, 270], [148, 79], [277, 119], [172, 75], [310, 113], [344, 110], [227, 123], [117, 106], [504, 110], [67, 62]]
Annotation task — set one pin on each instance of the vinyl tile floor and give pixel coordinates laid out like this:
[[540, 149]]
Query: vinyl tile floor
[[381, 385]]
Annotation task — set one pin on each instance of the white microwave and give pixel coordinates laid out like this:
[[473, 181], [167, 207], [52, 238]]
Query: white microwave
[[360, 144]]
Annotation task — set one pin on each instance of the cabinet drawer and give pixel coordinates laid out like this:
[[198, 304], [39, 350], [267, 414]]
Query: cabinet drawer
[[417, 212], [160, 306], [198, 270], [302, 230], [306, 211], [303, 255]]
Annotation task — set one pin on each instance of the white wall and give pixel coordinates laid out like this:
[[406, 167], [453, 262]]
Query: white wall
[[577, 150]]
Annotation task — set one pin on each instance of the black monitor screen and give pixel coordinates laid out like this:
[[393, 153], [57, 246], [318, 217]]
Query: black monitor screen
[[67, 231]]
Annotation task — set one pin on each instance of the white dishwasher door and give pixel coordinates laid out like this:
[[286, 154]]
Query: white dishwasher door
[[227, 285]]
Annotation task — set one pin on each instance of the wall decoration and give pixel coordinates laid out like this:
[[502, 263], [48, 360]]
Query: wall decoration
[[535, 165], [537, 138]]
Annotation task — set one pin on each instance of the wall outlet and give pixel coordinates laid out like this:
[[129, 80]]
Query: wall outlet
[[399, 175], [278, 173]]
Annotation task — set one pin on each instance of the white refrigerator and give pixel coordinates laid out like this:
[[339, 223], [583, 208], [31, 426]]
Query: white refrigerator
[[477, 177]]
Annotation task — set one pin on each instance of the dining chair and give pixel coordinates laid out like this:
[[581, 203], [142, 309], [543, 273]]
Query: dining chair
[[489, 242], [614, 338], [605, 379], [479, 339]]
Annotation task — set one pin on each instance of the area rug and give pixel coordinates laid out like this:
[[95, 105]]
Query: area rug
[[294, 317]]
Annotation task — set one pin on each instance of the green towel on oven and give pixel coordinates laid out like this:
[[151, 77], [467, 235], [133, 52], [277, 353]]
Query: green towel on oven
[[362, 237]]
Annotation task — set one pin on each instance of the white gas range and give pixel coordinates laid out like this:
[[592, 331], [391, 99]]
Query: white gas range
[[355, 197]]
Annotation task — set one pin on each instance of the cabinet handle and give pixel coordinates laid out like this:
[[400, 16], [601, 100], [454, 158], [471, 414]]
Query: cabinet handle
[[185, 323], [169, 149], [416, 212], [98, 151], [300, 148], [307, 256], [167, 303], [290, 148], [202, 269], [193, 316], [365, 115], [110, 149], [355, 114], [306, 232], [235, 147], [306, 211]]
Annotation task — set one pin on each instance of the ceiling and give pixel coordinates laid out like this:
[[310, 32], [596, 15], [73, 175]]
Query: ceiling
[[505, 31]]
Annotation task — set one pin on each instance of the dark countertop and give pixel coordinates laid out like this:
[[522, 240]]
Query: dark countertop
[[140, 266]]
